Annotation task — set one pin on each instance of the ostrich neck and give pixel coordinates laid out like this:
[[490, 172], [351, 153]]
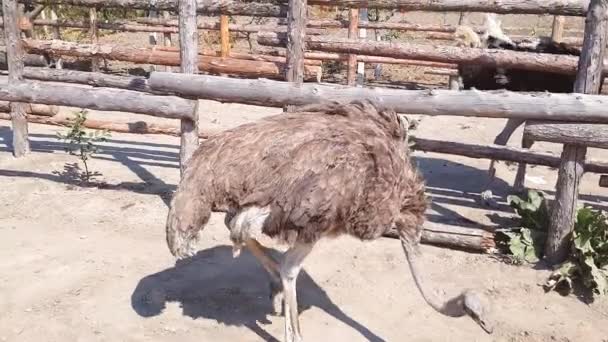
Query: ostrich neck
[[453, 307]]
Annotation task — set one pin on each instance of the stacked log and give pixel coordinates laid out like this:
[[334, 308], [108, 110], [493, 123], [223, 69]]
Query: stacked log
[[216, 65]]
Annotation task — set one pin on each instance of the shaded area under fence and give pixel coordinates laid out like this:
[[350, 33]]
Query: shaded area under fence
[[448, 183]]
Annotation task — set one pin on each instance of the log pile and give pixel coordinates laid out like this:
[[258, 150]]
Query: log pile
[[216, 65], [558, 64]]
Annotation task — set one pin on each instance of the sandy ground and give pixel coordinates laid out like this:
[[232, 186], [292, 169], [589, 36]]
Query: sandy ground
[[90, 264]]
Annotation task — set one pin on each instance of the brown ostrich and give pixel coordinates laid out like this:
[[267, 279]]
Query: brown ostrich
[[325, 171]]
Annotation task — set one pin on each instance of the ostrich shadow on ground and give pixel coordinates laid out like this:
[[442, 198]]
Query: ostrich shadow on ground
[[214, 285]]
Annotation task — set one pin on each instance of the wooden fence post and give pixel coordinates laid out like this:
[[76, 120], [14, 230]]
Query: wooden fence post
[[363, 19], [14, 60], [56, 35], [557, 31], [167, 37], [353, 26], [94, 36], [588, 80], [224, 36], [296, 34], [188, 39]]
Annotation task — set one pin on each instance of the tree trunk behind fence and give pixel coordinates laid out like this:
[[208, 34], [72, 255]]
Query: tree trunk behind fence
[[296, 33], [588, 80], [14, 58], [188, 38]]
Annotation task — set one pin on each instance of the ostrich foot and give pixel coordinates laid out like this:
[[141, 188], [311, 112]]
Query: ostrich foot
[[276, 297]]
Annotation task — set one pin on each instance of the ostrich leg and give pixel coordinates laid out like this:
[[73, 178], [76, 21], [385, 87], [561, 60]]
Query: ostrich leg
[[290, 268], [501, 139], [272, 267]]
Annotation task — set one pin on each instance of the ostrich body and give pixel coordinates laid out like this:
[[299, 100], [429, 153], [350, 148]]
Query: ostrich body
[[330, 170]]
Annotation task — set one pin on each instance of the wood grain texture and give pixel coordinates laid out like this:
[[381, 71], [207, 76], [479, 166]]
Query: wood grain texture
[[207, 7], [296, 34], [224, 36], [500, 152], [469, 103], [14, 58], [556, 7], [560, 64], [160, 56], [94, 35], [447, 235], [588, 81], [134, 127], [590, 135], [188, 40], [106, 99]]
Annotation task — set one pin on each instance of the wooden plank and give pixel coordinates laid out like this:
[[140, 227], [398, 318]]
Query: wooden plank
[[590, 135], [188, 40], [469, 103], [14, 59], [560, 64], [106, 99], [588, 81], [353, 34], [206, 7], [296, 32]]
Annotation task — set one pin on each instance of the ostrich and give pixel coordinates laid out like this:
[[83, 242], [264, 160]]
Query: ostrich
[[513, 79], [328, 170]]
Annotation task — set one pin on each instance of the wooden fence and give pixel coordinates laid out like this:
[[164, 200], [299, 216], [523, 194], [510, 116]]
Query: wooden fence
[[558, 116]]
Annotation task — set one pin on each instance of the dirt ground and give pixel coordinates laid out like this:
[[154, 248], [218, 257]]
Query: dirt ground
[[91, 264]]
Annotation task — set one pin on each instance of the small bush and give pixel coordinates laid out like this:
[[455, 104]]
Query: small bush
[[82, 143]]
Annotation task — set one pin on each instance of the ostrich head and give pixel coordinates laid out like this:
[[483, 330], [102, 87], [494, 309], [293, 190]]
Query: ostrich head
[[473, 307], [467, 303]]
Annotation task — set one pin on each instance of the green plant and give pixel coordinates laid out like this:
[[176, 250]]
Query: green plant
[[82, 143], [588, 259], [526, 243]]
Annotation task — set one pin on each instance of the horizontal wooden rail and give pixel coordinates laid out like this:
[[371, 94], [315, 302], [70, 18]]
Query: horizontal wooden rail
[[470, 103], [208, 7], [437, 53], [106, 99], [217, 65], [555, 7]]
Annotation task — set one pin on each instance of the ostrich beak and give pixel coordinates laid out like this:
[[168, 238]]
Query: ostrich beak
[[484, 324]]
